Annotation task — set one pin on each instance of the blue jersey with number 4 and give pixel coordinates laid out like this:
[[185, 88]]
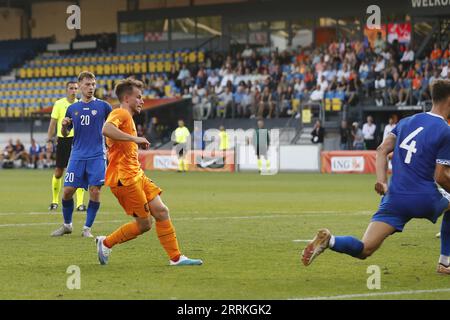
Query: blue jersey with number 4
[[88, 120], [422, 141]]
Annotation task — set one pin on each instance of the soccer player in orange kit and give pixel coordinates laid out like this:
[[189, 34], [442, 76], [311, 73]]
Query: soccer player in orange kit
[[136, 193]]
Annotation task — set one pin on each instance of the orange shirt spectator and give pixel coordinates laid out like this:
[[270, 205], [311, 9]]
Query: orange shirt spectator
[[447, 53], [436, 53], [417, 82]]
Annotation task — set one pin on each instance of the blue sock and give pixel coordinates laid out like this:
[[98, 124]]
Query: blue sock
[[348, 245], [91, 213], [445, 235], [67, 209]]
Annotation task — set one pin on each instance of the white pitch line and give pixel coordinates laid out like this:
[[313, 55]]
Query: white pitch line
[[374, 294], [275, 216]]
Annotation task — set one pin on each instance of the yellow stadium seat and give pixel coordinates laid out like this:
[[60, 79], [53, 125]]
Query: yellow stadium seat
[[57, 71], [336, 104], [100, 70], [78, 69], [122, 68], [64, 71], [144, 67], [201, 56], [50, 72], [152, 66], [137, 67], [114, 68], [2, 112], [23, 73], [107, 69], [159, 66], [70, 71], [295, 105], [152, 56], [168, 90], [167, 66], [43, 72], [192, 57], [327, 104]]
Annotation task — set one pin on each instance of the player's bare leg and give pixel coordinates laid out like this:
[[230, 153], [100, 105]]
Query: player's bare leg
[[166, 234], [374, 236], [67, 210]]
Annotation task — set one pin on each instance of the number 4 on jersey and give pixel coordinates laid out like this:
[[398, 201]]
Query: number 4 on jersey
[[411, 147]]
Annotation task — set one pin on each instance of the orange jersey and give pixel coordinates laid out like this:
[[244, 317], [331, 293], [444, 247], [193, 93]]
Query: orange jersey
[[123, 158]]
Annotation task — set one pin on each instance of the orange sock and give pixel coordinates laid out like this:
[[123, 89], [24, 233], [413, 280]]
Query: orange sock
[[168, 238], [125, 233]]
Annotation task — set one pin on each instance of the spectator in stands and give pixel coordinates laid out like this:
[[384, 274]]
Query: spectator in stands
[[36, 155], [346, 135], [408, 56], [358, 137], [184, 76], [379, 44], [403, 91], [213, 79], [225, 104], [436, 54], [318, 133], [265, 104], [7, 157], [380, 88], [389, 127], [248, 52], [20, 153], [368, 131], [446, 54], [152, 134]]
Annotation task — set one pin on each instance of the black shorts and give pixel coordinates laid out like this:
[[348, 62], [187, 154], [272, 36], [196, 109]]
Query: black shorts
[[181, 149], [63, 149], [261, 151]]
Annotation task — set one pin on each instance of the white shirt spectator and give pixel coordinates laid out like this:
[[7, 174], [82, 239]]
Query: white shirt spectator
[[226, 77], [247, 53], [380, 65], [323, 85], [298, 87], [408, 56], [363, 67], [380, 84], [444, 72], [213, 80], [316, 95], [184, 74], [369, 131], [388, 129]]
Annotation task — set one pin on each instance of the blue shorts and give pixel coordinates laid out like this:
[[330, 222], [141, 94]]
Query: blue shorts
[[85, 173], [397, 209]]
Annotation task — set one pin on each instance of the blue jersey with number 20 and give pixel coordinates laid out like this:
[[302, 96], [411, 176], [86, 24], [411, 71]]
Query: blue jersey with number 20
[[88, 120], [423, 140]]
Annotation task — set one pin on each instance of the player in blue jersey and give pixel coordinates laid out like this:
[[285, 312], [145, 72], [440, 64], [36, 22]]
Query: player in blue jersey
[[421, 145], [87, 163]]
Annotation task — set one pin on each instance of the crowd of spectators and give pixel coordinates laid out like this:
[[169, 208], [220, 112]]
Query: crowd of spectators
[[260, 84], [35, 157]]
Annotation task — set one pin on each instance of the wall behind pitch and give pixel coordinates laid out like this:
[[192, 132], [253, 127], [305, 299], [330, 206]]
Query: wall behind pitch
[[49, 19], [10, 23], [100, 16]]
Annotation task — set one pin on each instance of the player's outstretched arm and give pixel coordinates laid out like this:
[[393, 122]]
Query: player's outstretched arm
[[442, 176], [383, 151], [114, 133]]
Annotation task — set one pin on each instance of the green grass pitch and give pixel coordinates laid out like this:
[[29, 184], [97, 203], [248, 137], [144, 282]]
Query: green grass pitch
[[241, 225]]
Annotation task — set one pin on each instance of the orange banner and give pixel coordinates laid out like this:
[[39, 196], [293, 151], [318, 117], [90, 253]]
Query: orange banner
[[348, 161], [167, 160]]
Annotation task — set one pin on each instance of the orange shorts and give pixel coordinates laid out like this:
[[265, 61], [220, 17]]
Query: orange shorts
[[135, 198]]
